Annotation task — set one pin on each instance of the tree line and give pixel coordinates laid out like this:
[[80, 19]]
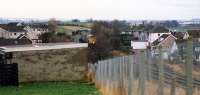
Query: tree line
[[107, 35]]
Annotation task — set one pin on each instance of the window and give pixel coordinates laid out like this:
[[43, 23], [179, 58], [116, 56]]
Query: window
[[15, 34]]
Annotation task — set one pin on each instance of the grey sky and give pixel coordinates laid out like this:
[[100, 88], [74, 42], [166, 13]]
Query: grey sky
[[101, 9]]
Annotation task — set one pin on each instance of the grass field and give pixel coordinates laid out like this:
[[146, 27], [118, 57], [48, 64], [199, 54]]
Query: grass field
[[50, 88]]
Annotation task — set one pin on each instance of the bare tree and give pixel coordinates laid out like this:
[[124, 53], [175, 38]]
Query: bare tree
[[52, 25]]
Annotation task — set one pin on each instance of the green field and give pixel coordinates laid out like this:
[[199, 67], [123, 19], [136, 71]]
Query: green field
[[50, 88]]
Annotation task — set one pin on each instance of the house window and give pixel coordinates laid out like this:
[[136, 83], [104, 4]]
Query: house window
[[15, 34]]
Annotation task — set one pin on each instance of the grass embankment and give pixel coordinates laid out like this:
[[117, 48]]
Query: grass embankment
[[50, 88]]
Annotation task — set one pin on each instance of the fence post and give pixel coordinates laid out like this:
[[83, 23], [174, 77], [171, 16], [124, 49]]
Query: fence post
[[142, 74], [173, 86], [161, 72], [149, 62], [130, 75], [188, 67]]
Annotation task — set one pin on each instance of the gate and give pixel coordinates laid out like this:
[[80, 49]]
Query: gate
[[9, 74], [8, 70]]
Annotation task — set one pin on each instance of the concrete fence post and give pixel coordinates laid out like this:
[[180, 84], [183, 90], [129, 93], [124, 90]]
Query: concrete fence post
[[142, 74], [188, 67], [173, 84], [161, 72]]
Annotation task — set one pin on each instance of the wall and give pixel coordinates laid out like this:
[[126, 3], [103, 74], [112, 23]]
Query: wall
[[51, 65], [3, 33], [14, 35]]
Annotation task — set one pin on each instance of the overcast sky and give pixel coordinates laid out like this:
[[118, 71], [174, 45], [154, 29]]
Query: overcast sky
[[101, 9]]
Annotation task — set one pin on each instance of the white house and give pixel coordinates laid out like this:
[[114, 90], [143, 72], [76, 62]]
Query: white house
[[15, 34], [11, 30], [166, 43], [34, 30]]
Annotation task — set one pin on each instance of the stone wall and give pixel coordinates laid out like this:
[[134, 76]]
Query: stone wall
[[51, 65]]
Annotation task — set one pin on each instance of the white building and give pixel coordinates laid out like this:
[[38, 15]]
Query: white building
[[11, 34], [34, 30], [167, 45], [11, 30], [138, 45]]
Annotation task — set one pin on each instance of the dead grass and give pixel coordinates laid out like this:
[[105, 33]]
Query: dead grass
[[151, 88], [118, 53], [180, 68]]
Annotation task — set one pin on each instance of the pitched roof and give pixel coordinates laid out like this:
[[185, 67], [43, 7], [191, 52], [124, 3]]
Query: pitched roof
[[179, 35], [12, 27], [38, 25], [2, 30], [22, 36], [160, 39]]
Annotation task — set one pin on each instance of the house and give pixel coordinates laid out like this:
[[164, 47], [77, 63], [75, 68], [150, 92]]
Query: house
[[143, 39], [13, 34], [34, 30], [166, 43], [12, 30]]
